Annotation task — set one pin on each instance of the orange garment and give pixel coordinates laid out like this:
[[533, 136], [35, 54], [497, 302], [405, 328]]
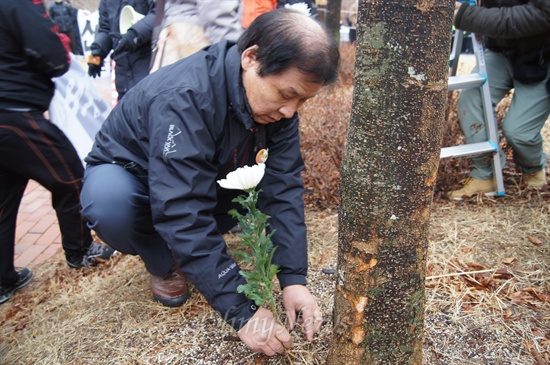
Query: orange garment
[[254, 8]]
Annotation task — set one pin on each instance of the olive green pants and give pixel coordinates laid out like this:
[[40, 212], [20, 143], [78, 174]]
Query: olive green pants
[[529, 109]]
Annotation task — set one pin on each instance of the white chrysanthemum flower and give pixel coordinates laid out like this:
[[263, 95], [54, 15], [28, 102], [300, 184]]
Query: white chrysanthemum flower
[[299, 7], [244, 178]]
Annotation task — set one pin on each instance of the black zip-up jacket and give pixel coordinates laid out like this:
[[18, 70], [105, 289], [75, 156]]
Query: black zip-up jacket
[[133, 66], [509, 26], [62, 15], [188, 125], [30, 55]]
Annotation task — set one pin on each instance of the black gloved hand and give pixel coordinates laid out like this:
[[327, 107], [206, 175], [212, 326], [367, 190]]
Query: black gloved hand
[[128, 42], [95, 63], [94, 70]]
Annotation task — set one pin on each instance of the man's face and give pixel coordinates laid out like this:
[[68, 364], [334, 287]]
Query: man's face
[[274, 97]]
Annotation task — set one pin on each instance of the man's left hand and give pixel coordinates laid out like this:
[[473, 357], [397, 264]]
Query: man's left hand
[[298, 300], [127, 43]]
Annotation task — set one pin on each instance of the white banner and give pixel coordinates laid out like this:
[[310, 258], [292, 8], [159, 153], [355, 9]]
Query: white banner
[[88, 24], [77, 108]]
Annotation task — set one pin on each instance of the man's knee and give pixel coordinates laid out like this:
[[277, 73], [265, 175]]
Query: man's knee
[[107, 197]]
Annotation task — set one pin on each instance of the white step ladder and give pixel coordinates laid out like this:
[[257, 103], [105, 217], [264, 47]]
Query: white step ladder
[[474, 80]]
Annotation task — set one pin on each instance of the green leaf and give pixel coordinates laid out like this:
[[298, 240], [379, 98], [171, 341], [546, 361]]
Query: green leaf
[[256, 248]]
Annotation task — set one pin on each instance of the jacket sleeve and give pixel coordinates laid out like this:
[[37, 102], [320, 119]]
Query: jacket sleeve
[[221, 19], [40, 42], [103, 41], [519, 21], [182, 180], [144, 28], [281, 199]]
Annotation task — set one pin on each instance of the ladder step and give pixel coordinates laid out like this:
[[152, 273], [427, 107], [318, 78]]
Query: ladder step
[[468, 149], [466, 81]]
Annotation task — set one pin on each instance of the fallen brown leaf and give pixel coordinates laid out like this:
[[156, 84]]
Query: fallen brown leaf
[[534, 240], [476, 267], [503, 273], [538, 294]]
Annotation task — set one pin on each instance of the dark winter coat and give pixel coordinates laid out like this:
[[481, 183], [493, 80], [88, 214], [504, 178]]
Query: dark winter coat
[[29, 56], [131, 66], [62, 15], [508, 26], [188, 125]]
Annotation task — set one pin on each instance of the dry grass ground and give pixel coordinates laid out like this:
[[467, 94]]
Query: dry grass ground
[[487, 288], [487, 301]]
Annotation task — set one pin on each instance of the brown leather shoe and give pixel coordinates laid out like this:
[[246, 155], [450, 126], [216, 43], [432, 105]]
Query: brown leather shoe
[[170, 290]]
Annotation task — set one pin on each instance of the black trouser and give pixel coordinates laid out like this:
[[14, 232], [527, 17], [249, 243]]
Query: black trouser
[[31, 147]]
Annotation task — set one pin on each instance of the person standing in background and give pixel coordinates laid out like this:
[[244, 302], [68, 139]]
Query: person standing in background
[[77, 43], [31, 147], [516, 36], [62, 15], [190, 25], [131, 50]]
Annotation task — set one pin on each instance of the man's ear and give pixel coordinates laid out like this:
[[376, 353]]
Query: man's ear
[[248, 57]]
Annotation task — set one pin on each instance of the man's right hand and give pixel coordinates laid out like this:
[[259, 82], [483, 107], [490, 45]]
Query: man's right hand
[[263, 334]]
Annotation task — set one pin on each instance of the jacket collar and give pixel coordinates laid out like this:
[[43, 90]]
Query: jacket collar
[[238, 101]]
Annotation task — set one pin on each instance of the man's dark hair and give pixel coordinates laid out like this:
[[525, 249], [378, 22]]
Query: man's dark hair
[[284, 41]]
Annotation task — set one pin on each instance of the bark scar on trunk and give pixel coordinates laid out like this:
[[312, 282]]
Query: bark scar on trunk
[[357, 305]]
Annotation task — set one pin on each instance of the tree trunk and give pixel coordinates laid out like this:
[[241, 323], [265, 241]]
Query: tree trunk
[[332, 21], [387, 180]]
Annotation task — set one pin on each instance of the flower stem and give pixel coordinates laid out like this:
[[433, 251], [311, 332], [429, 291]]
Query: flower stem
[[259, 287]]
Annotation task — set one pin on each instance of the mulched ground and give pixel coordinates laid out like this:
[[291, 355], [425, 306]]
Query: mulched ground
[[487, 303]]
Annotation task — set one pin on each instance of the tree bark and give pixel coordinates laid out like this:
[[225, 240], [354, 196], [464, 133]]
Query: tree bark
[[387, 180], [332, 21]]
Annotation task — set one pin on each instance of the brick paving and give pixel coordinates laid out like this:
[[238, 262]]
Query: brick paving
[[37, 235]]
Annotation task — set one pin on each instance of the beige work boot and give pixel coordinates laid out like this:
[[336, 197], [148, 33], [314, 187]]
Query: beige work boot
[[535, 180], [473, 186]]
